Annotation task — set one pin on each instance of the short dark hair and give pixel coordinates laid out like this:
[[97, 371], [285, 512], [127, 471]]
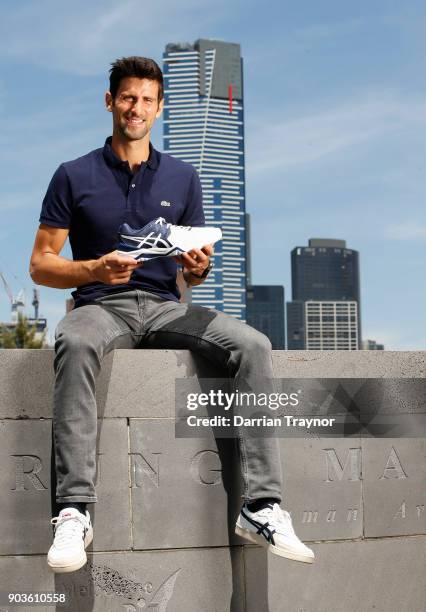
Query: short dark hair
[[135, 66]]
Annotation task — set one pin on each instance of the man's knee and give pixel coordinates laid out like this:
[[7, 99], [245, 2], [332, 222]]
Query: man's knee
[[75, 342], [257, 341]]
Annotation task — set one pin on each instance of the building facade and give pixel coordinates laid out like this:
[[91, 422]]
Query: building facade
[[331, 326], [265, 312], [372, 345], [326, 297], [204, 125]]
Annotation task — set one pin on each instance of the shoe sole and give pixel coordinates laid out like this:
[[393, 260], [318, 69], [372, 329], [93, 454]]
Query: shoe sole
[[72, 567], [260, 540], [147, 254]]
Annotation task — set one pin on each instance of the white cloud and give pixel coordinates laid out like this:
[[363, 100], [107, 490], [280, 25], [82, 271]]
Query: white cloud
[[311, 137], [406, 230], [82, 37]]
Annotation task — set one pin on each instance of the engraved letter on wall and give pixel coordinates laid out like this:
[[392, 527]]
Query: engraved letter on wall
[[26, 469]]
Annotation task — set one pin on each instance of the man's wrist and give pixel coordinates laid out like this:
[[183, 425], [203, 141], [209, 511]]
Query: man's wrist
[[89, 266], [205, 272], [193, 280]]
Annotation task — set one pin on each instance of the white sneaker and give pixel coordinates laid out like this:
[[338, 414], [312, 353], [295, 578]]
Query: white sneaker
[[73, 533], [271, 527], [161, 239]]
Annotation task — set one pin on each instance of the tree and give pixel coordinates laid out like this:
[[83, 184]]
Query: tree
[[21, 336]]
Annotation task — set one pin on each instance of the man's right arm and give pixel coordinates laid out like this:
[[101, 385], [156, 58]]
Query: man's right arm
[[48, 268]]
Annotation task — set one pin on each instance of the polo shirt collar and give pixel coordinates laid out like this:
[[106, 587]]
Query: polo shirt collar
[[114, 161]]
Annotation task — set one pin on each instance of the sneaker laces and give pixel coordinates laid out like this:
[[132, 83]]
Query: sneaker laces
[[159, 238], [277, 516], [283, 518], [67, 527], [161, 221]]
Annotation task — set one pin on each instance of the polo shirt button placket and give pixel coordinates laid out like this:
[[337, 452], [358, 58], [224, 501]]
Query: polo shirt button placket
[[130, 197]]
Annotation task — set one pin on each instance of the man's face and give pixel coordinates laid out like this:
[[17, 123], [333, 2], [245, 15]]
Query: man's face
[[135, 107]]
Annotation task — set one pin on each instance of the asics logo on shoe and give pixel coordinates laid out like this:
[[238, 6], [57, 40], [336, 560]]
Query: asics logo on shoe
[[262, 529], [161, 239], [165, 203]]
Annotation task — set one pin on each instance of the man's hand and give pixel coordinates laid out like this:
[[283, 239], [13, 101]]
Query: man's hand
[[194, 263], [114, 269], [196, 260]]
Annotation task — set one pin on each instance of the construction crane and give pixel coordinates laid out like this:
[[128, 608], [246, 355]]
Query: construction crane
[[17, 302], [35, 303]]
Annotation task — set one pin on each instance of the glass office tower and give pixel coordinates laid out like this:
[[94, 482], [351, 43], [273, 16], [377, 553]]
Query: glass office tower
[[204, 125], [265, 312], [325, 311]]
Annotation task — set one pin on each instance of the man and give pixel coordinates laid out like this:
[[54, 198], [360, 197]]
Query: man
[[120, 303]]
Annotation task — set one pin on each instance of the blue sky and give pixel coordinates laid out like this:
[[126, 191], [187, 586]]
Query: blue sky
[[335, 109]]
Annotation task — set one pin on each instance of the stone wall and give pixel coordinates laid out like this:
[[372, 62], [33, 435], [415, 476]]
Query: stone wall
[[167, 507]]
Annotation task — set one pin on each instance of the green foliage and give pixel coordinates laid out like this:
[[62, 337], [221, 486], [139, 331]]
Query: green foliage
[[22, 336]]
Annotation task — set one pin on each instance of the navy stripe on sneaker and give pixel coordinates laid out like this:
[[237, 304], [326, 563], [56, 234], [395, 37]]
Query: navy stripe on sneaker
[[262, 528]]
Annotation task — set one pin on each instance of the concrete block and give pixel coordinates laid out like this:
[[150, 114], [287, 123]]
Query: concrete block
[[210, 580], [142, 382], [25, 504], [363, 396], [394, 487], [349, 364], [25, 451], [373, 575], [180, 486], [26, 383], [111, 514], [322, 487]]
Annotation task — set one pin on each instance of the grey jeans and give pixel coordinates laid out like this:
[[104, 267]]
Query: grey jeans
[[131, 320]]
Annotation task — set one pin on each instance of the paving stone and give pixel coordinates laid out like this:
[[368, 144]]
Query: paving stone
[[322, 487], [25, 505], [178, 495], [394, 487], [207, 580], [367, 576]]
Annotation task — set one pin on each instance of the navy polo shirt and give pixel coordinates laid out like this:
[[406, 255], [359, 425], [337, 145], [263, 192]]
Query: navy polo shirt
[[94, 194]]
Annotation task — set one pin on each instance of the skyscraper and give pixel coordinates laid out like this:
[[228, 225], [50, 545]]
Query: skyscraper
[[204, 125], [325, 270], [325, 311], [265, 312]]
